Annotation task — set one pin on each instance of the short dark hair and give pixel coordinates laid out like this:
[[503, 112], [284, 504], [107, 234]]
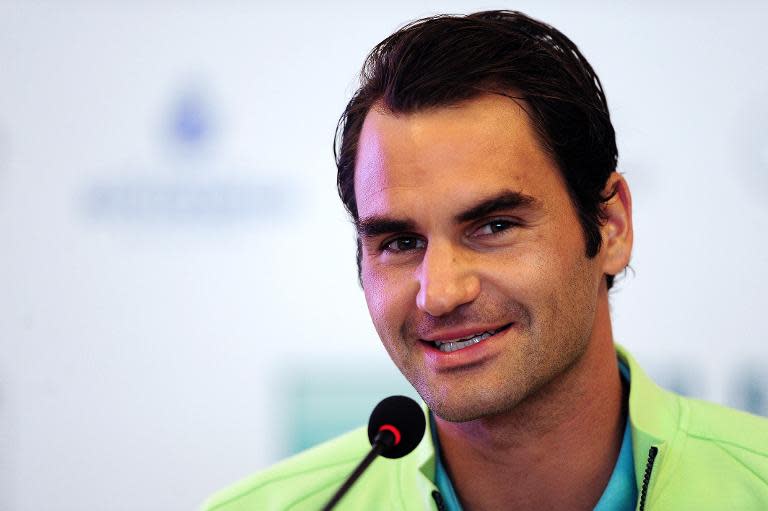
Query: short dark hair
[[442, 60]]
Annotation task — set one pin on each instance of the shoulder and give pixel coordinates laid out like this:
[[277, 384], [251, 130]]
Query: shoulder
[[315, 472], [662, 416], [304, 481], [709, 456], [729, 428], [718, 460]]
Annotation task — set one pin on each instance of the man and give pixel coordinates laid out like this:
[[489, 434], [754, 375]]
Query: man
[[478, 162]]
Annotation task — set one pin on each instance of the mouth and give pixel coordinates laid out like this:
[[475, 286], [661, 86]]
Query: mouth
[[449, 346]]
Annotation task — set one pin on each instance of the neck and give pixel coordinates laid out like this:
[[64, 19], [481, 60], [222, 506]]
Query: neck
[[559, 445]]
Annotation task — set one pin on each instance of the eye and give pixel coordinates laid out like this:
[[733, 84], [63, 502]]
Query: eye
[[404, 244], [494, 227]]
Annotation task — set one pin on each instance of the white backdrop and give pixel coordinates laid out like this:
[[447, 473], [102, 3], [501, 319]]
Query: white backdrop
[[174, 254]]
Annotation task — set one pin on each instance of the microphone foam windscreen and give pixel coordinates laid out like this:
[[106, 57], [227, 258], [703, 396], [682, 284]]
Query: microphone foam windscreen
[[406, 416]]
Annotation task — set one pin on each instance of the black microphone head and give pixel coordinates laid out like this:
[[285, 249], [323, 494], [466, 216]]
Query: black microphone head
[[403, 417]]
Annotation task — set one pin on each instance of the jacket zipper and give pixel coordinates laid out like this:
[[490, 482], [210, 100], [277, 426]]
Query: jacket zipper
[[652, 452], [438, 500]]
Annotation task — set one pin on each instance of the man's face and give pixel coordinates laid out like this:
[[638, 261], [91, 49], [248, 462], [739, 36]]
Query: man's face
[[467, 230]]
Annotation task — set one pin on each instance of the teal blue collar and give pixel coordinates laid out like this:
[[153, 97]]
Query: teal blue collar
[[442, 481], [621, 492]]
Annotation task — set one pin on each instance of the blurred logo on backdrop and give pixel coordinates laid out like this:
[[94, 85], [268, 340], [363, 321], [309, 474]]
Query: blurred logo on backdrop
[[192, 185]]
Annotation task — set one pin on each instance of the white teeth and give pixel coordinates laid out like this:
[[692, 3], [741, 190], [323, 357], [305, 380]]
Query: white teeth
[[447, 347]]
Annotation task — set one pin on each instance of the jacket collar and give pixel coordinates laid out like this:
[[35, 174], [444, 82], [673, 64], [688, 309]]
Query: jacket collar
[[655, 416], [424, 456]]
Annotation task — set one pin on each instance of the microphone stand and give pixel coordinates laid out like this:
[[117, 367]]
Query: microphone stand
[[383, 440]]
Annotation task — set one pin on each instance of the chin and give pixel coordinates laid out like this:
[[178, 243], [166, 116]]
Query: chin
[[468, 406], [465, 413], [456, 414]]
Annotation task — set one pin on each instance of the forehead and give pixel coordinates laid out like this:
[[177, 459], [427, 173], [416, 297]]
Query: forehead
[[450, 154]]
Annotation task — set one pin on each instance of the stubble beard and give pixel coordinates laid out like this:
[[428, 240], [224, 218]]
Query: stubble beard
[[541, 353], [509, 384]]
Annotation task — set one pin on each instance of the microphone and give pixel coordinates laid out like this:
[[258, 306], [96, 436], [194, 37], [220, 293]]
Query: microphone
[[395, 428]]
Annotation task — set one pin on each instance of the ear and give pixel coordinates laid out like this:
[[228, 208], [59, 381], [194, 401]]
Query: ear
[[616, 229]]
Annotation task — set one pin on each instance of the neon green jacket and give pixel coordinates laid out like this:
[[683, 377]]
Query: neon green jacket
[[689, 455]]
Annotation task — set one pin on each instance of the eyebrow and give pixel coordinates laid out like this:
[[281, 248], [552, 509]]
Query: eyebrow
[[376, 226], [507, 200]]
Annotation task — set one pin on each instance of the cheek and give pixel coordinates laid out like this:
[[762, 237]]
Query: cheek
[[541, 274], [387, 299], [572, 290], [523, 273], [374, 298]]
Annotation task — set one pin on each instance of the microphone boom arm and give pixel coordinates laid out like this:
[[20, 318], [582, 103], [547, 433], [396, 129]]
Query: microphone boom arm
[[384, 438]]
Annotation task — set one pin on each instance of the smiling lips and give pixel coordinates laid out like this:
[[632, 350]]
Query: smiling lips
[[448, 346]]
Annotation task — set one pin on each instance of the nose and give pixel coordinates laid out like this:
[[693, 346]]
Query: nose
[[446, 280]]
